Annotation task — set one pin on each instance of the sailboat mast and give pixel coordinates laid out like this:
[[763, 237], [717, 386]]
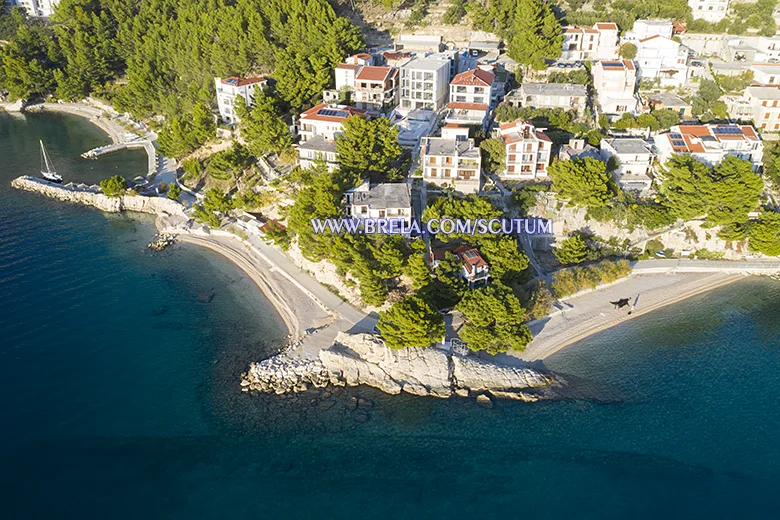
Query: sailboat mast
[[45, 159]]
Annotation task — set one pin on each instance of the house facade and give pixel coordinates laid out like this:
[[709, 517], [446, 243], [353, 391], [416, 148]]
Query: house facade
[[376, 88], [766, 73], [388, 200], [663, 59], [229, 88], [646, 28], [474, 269], [567, 96], [472, 96], [763, 105], [425, 83], [318, 128], [709, 10], [634, 159], [37, 8], [527, 151], [452, 160], [586, 43], [615, 83], [710, 144]]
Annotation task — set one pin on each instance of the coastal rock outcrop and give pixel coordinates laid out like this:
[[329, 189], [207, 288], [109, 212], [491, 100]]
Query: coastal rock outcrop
[[363, 359], [95, 198]]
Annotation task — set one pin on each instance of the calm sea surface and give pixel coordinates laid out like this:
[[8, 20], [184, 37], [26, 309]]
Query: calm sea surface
[[121, 397]]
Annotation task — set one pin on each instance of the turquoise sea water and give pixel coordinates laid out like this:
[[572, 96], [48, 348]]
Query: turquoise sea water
[[121, 398]]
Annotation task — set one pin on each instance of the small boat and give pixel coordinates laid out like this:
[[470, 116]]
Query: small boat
[[47, 169]]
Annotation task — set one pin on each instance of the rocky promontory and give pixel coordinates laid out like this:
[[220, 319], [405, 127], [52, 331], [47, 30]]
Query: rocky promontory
[[94, 197], [363, 359]]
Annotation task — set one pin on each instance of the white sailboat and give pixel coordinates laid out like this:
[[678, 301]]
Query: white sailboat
[[47, 169]]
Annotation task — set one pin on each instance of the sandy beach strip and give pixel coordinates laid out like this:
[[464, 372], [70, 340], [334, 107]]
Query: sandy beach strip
[[590, 313], [296, 310]]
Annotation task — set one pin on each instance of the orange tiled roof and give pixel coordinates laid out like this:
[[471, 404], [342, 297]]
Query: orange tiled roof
[[467, 106], [371, 73], [476, 77]]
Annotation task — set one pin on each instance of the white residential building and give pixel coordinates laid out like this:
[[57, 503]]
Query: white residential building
[[227, 91], [584, 43], [527, 151], [452, 160], [710, 144], [473, 94], [42, 8], [318, 128], [766, 73], [646, 28], [425, 83], [388, 200], [325, 120], [634, 159], [709, 10], [763, 107], [615, 83], [662, 58]]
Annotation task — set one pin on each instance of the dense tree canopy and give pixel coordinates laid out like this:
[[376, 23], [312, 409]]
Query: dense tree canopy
[[585, 182], [572, 250], [368, 147], [724, 194], [765, 234], [412, 322], [262, 125], [171, 50], [536, 34], [494, 320]]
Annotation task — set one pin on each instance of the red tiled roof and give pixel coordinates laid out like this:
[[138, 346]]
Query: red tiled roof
[[371, 73], [607, 26], [653, 37], [460, 251], [234, 81], [467, 106], [678, 27], [478, 77], [347, 66], [543, 137], [362, 56], [397, 55], [588, 30]]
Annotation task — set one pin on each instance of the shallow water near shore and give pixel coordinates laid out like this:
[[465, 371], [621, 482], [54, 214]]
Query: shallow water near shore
[[122, 393]]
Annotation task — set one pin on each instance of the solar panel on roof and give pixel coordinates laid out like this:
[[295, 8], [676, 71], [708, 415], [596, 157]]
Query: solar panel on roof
[[678, 144], [727, 130], [675, 136], [470, 254], [333, 113]]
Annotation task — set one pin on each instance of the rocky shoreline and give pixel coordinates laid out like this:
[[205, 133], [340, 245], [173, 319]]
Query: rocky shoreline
[[94, 197], [363, 359]]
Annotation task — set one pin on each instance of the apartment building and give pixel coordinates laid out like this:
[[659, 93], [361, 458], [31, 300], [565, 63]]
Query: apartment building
[[710, 144], [663, 59], [709, 10], [318, 128], [452, 160], [387, 200], [586, 43], [615, 82], [763, 104], [230, 88], [634, 159], [37, 8], [325, 120], [425, 83], [567, 96], [376, 88], [527, 151], [472, 96]]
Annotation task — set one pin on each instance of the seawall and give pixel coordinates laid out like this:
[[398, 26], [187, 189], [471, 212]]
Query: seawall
[[77, 195]]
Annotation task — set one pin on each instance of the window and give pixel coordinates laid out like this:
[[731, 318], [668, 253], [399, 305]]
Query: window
[[433, 172]]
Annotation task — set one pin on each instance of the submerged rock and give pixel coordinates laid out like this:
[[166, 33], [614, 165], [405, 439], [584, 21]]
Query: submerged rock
[[484, 400]]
